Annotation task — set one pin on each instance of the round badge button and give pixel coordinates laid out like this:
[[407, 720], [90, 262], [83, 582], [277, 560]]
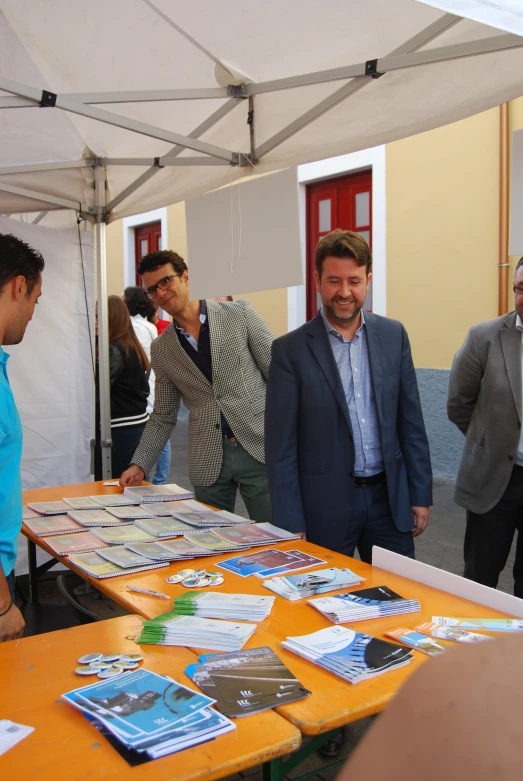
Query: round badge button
[[215, 580], [125, 665], [110, 658], [88, 658], [100, 665], [195, 582], [131, 658], [112, 672], [85, 671]]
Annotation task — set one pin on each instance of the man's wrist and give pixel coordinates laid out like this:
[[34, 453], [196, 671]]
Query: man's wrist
[[5, 610]]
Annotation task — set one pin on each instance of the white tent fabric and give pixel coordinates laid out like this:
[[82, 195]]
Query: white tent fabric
[[72, 48], [51, 371], [506, 15]]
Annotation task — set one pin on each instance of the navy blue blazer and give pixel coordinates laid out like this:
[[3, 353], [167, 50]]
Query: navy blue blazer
[[309, 448]]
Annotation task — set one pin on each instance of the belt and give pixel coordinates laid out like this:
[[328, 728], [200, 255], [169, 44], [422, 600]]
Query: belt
[[371, 479]]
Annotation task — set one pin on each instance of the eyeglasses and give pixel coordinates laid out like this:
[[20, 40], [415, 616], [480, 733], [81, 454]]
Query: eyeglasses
[[162, 284], [517, 290]]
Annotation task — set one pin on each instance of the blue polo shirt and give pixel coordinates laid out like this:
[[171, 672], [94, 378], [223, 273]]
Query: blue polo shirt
[[10, 478]]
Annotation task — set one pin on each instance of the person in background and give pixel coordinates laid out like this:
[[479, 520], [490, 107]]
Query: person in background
[[144, 315], [21, 270], [347, 453], [216, 358], [129, 369], [485, 401], [160, 324]]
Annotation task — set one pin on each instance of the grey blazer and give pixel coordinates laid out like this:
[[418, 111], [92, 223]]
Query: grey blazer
[[241, 352], [484, 401]]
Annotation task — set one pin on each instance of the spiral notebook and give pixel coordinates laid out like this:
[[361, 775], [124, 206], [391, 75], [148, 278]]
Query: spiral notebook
[[98, 567]]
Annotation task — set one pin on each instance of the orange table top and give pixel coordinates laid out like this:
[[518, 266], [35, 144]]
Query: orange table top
[[36, 670], [333, 702]]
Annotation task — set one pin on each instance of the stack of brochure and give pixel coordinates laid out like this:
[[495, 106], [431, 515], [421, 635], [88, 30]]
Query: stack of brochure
[[255, 534], [152, 550], [171, 629], [130, 513], [143, 494], [121, 535], [364, 604], [417, 640], [350, 655], [157, 508], [65, 544], [49, 508], [213, 604], [308, 584], [98, 567], [246, 682], [165, 526], [209, 540], [81, 503], [200, 516], [128, 559], [183, 549], [95, 518], [453, 633], [47, 525], [113, 500], [149, 713], [266, 563], [487, 624]]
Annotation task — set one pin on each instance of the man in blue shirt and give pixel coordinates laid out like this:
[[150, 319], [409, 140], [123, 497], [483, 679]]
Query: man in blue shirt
[[345, 444], [20, 287]]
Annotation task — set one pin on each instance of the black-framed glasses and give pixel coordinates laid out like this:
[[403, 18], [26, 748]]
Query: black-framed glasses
[[162, 284], [517, 290]]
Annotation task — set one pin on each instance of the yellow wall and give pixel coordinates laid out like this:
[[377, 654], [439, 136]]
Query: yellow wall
[[442, 234]]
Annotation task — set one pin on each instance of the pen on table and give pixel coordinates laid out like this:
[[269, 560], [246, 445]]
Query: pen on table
[[147, 591]]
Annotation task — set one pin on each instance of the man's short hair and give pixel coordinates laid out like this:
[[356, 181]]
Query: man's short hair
[[518, 264], [155, 260], [138, 302], [18, 259], [343, 244]]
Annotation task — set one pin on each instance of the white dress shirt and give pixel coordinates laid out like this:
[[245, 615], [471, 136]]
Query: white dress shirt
[[146, 332]]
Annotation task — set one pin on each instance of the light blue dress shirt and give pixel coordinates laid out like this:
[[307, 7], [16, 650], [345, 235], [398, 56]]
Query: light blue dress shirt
[[352, 359], [10, 478]]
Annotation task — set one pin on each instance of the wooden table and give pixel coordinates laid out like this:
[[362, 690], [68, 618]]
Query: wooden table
[[36, 670], [333, 702]]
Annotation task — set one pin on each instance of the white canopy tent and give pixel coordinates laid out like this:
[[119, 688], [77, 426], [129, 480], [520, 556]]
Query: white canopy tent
[[116, 108]]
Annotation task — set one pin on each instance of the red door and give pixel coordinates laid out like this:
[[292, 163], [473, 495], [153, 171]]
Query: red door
[[344, 202], [147, 238]]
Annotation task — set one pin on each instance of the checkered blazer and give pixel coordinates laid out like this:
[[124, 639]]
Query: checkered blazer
[[241, 353]]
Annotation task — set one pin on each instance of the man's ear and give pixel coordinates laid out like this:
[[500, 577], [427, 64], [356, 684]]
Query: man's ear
[[18, 287]]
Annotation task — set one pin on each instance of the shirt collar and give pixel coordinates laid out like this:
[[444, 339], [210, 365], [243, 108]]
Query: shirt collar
[[3, 356], [203, 316], [519, 323], [331, 330]]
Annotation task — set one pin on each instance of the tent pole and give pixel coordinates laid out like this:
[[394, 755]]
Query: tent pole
[[103, 322]]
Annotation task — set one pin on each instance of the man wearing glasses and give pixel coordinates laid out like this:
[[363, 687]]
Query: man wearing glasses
[[215, 357], [485, 401]]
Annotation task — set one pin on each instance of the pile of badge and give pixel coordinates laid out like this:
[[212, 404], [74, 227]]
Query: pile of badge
[[107, 665], [195, 578]]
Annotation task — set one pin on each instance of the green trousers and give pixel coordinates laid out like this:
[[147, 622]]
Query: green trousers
[[239, 470]]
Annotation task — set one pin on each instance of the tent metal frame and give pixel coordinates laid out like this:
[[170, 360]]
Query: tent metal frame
[[85, 104]]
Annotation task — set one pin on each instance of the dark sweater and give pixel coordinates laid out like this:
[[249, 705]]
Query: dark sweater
[[129, 388]]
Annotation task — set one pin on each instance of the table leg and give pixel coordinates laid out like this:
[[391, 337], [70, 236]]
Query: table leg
[[278, 769], [33, 573]]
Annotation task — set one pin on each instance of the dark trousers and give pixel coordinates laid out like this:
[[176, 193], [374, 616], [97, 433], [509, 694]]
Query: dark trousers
[[489, 537], [239, 470], [125, 441], [372, 524]]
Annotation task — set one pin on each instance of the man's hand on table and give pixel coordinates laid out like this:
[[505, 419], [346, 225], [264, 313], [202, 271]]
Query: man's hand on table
[[11, 625], [420, 516], [132, 476], [303, 536]]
